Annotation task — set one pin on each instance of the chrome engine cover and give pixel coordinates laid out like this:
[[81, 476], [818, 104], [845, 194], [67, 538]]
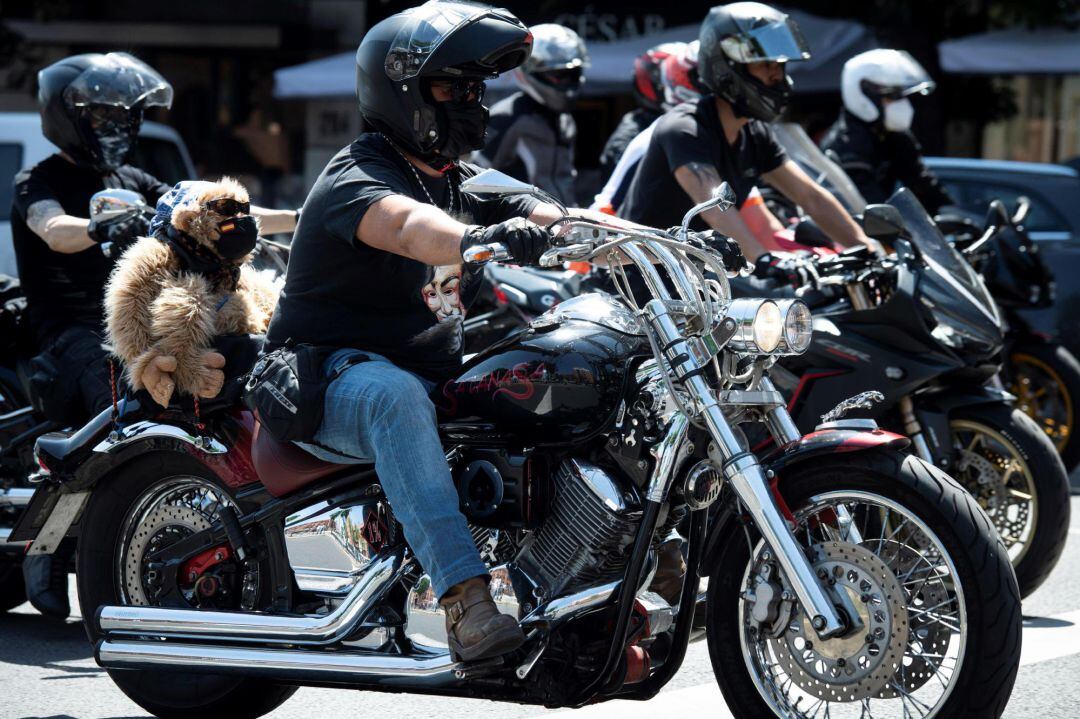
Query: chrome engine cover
[[328, 545], [586, 538]]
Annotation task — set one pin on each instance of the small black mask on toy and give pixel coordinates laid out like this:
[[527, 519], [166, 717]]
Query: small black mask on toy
[[239, 236]]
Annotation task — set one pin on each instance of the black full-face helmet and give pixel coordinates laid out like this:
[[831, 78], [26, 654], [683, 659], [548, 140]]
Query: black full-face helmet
[[734, 36], [399, 57], [92, 105]]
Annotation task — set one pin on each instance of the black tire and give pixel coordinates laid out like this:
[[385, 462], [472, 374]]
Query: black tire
[[985, 680], [1054, 359], [1051, 485], [169, 695], [12, 587]]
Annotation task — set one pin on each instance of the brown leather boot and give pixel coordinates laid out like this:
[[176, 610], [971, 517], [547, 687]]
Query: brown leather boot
[[670, 570], [474, 627]]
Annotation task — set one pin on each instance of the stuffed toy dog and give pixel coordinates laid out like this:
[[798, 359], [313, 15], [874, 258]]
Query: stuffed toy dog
[[171, 294]]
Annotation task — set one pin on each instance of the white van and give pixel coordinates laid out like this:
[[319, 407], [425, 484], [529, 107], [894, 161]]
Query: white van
[[160, 152]]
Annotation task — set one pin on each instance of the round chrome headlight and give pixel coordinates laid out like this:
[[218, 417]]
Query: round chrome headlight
[[798, 326], [768, 327]]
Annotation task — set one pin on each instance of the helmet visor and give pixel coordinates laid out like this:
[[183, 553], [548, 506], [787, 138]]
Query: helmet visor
[[428, 26], [905, 77], [119, 80], [779, 41]]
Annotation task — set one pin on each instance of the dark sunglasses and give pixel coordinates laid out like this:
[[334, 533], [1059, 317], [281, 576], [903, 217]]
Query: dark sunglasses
[[227, 207], [464, 90]]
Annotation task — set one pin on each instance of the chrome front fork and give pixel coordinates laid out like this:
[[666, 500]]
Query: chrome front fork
[[745, 473]]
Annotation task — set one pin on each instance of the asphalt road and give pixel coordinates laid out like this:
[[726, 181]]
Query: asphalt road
[[46, 671]]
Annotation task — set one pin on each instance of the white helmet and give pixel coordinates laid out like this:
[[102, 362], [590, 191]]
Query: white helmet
[[876, 74], [555, 71]]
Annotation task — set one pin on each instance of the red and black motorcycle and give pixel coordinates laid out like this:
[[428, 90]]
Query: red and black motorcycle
[[219, 569]]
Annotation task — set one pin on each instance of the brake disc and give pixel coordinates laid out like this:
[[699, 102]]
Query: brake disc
[[986, 482], [857, 667], [164, 525]]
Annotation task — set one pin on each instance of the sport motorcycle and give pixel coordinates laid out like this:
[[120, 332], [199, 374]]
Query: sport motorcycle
[[220, 569], [919, 335]]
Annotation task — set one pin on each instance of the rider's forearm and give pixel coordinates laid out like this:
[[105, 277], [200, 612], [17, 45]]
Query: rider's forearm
[[833, 219], [274, 221], [61, 232]]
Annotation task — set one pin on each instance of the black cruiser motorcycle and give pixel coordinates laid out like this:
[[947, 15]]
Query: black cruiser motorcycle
[[919, 334], [220, 569]]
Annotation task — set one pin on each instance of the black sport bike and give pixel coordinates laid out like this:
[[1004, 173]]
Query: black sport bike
[[920, 338]]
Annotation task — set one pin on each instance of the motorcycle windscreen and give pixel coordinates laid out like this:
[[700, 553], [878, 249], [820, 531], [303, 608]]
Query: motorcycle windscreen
[[966, 315], [808, 156]]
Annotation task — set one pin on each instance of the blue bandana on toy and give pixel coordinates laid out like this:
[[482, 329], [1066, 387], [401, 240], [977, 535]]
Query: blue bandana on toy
[[192, 256]]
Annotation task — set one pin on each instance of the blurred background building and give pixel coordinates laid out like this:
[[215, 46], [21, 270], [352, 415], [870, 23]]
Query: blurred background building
[[264, 87]]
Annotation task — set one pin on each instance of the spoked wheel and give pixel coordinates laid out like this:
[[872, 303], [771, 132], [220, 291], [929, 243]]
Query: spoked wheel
[[1016, 476], [1046, 382], [910, 561], [151, 504]]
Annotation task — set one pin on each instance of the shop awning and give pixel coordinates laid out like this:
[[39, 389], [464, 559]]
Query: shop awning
[[832, 42], [1013, 52]]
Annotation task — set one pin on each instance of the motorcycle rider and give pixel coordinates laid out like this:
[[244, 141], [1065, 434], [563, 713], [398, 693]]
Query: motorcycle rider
[[872, 138], [388, 216], [649, 95], [92, 107], [531, 134], [726, 137], [679, 83]]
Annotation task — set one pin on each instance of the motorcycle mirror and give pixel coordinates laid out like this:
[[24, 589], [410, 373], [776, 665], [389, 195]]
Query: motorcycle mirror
[[882, 222], [996, 215], [808, 233], [111, 204], [493, 182], [723, 197], [1023, 207]]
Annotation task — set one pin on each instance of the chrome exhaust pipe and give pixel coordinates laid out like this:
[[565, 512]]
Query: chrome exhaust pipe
[[296, 665], [196, 624], [16, 497]]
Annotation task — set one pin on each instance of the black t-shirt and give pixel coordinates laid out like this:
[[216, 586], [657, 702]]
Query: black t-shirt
[[66, 289], [340, 292], [692, 133]]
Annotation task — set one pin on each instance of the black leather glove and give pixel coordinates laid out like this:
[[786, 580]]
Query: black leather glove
[[120, 231], [525, 240], [728, 249], [790, 270]]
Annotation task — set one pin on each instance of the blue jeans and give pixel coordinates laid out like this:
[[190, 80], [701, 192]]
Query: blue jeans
[[378, 412]]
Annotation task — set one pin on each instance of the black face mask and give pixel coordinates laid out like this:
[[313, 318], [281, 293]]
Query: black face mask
[[239, 236], [465, 126]]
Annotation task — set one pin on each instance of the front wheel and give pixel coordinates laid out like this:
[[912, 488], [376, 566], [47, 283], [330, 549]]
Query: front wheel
[[911, 560], [151, 503], [1011, 468]]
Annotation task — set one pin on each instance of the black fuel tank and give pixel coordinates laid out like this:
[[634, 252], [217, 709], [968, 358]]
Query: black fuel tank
[[557, 381]]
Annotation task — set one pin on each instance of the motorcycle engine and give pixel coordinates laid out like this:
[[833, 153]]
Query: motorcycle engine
[[586, 538]]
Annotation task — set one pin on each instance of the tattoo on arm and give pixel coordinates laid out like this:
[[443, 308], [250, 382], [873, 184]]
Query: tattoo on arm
[[703, 179], [39, 214]]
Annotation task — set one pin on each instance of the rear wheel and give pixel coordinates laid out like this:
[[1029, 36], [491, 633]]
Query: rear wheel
[[150, 504], [1011, 468], [1046, 381], [909, 555]]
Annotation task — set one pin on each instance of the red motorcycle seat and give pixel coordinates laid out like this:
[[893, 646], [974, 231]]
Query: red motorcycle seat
[[283, 468]]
